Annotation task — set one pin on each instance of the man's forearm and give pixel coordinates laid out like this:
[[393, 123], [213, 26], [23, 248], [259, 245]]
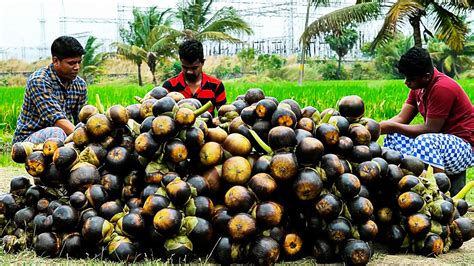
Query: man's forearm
[[408, 130], [66, 125]]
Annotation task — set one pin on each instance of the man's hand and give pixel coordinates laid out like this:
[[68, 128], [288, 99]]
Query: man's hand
[[387, 127], [432, 125], [66, 125]]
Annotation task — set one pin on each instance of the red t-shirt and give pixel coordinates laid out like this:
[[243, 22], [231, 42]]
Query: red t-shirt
[[211, 89], [444, 98]]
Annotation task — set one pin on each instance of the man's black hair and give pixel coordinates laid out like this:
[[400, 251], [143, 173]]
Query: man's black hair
[[191, 51], [66, 46], [415, 62]]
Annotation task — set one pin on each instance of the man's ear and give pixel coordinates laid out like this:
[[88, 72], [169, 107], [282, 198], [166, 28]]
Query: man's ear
[[56, 60], [202, 61]]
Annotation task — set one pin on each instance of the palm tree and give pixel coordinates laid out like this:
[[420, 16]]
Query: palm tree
[[341, 41], [448, 24], [91, 61], [450, 61], [201, 24], [143, 39]]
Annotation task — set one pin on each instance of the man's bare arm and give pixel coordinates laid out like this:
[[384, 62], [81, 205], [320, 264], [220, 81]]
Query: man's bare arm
[[432, 125], [66, 125]]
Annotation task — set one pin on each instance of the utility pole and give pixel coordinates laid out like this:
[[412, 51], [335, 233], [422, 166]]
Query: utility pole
[[43, 47], [303, 46]]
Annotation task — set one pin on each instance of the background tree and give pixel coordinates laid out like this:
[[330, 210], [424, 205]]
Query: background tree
[[449, 61], [92, 60], [341, 42]]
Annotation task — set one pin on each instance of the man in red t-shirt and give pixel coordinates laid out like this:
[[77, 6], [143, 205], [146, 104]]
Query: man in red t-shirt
[[192, 82], [445, 140]]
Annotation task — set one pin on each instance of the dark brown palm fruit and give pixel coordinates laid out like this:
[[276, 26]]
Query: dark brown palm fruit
[[47, 245], [394, 236], [306, 124], [184, 117], [179, 249], [193, 137], [121, 248], [249, 115], [261, 165], [237, 145], [80, 136], [134, 112], [42, 223], [356, 252], [213, 179], [441, 211], [146, 108], [308, 111], [339, 230], [36, 163], [220, 220], [283, 166], [433, 246], [65, 218], [309, 151], [84, 215], [96, 196], [117, 160], [323, 251], [307, 184], [78, 200], [168, 178], [179, 192], [412, 165], [461, 205], [86, 112], [346, 165], [211, 154], [239, 199], [328, 206], [262, 185], [217, 135], [292, 246], [295, 107], [410, 202], [392, 156], [327, 134], [42, 205], [146, 125], [242, 227], [33, 194], [94, 153], [375, 149], [158, 92], [240, 104], [176, 151], [199, 231], [150, 189], [72, 246], [118, 115], [368, 231], [98, 126], [268, 214], [384, 215], [265, 108], [348, 185], [53, 205], [360, 135], [361, 209], [408, 182], [97, 230], [236, 170], [262, 128], [131, 225], [199, 183], [302, 134], [227, 112], [284, 117], [65, 157], [281, 137], [352, 107], [383, 165], [109, 209], [50, 145], [462, 229], [253, 95], [264, 251], [146, 145], [201, 207], [133, 203], [168, 221], [368, 172], [153, 204], [112, 184], [19, 185], [163, 127], [341, 123], [443, 182], [418, 225], [344, 146], [21, 150], [360, 153], [394, 174], [332, 166], [24, 217], [53, 177], [82, 176], [373, 127], [127, 142]]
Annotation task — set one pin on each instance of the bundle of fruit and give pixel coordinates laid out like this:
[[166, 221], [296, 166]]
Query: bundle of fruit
[[263, 181]]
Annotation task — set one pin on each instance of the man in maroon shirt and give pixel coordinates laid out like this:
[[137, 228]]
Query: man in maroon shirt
[[445, 140], [192, 82]]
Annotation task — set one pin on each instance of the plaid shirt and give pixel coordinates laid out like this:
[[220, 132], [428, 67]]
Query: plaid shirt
[[47, 100]]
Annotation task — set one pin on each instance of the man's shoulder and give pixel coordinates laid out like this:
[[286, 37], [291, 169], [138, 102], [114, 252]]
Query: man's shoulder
[[211, 79], [43, 73], [80, 81], [173, 82]]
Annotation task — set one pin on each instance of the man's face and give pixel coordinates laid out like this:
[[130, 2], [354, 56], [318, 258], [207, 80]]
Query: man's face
[[417, 82], [67, 68], [192, 70]]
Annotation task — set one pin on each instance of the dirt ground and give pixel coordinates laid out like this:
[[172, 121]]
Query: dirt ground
[[461, 256]]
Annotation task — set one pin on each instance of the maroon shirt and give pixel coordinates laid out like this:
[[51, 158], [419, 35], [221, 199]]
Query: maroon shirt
[[444, 98], [211, 89]]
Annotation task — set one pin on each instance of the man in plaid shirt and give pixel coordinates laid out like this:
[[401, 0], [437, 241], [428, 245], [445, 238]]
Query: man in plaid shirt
[[54, 95]]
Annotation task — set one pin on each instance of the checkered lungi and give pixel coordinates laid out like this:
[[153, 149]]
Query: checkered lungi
[[50, 132], [443, 151]]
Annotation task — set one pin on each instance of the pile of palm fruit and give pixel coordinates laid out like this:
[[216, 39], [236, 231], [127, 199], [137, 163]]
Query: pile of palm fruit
[[263, 181]]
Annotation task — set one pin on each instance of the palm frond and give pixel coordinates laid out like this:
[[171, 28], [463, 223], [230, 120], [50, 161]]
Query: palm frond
[[395, 17], [461, 4], [227, 20], [338, 19], [216, 36], [449, 27]]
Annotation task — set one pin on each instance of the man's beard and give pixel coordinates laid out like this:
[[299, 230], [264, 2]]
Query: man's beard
[[191, 77]]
